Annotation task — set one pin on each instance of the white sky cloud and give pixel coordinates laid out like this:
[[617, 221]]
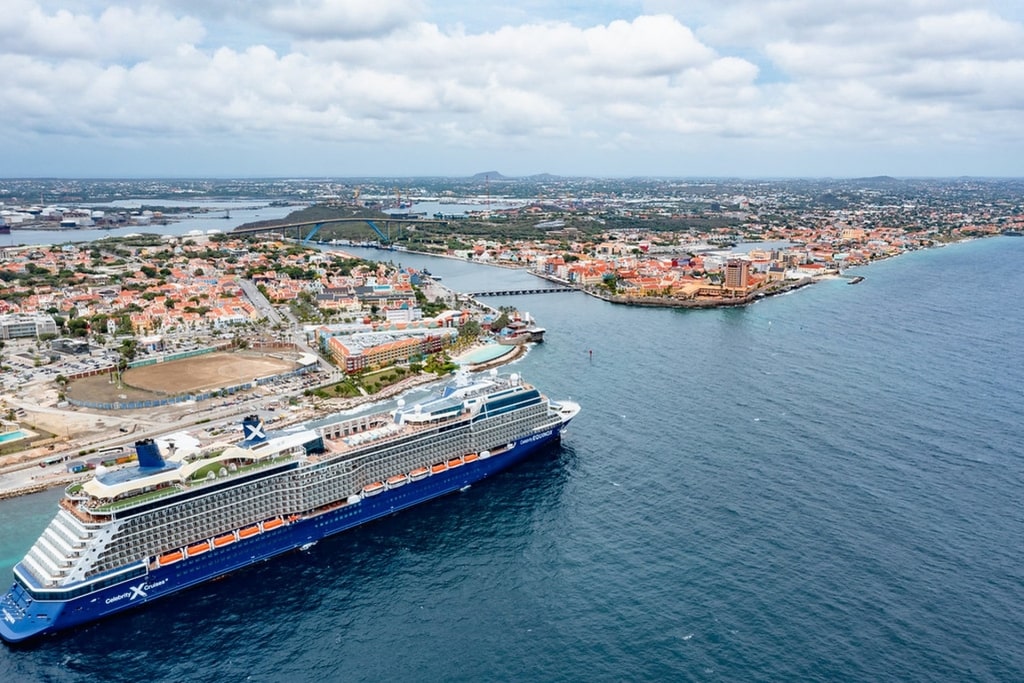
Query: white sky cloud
[[326, 19], [118, 32], [340, 87]]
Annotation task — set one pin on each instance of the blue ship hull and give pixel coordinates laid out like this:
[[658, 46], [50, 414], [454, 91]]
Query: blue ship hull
[[38, 617]]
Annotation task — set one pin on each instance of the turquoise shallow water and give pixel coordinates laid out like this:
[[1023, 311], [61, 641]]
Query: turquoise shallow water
[[485, 353], [822, 486]]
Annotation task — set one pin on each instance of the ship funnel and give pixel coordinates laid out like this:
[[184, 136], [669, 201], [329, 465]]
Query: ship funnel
[[252, 430], [149, 454]]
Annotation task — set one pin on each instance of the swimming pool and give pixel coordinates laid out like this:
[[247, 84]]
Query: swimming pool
[[485, 354], [12, 436]]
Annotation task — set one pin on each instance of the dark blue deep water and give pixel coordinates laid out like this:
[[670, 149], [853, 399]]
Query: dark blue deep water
[[823, 486]]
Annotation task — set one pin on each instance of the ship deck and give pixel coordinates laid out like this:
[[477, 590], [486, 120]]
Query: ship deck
[[339, 441], [351, 437]]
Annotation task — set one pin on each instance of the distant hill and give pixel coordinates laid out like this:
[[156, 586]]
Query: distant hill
[[876, 180], [495, 175]]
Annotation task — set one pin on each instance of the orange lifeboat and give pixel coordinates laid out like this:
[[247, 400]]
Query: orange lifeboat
[[397, 480], [439, 468], [224, 540], [272, 523], [470, 458], [171, 558], [198, 548], [373, 489], [419, 473], [455, 462], [248, 531]]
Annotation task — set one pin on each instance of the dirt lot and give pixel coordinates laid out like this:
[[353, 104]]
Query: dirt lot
[[210, 371], [71, 429]]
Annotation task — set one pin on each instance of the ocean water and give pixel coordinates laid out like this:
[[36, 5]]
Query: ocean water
[[823, 486]]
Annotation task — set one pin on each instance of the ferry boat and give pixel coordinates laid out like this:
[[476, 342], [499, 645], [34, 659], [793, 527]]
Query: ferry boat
[[182, 516]]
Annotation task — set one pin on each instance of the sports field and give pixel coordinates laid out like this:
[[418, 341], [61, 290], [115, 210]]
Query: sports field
[[209, 371], [189, 375]]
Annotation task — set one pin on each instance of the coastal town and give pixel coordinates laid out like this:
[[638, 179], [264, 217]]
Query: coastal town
[[626, 240], [575, 342], [77, 317]]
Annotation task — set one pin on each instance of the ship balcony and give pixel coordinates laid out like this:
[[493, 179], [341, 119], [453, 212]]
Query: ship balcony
[[54, 564], [60, 527], [69, 525], [58, 541], [81, 517], [59, 558], [43, 575]]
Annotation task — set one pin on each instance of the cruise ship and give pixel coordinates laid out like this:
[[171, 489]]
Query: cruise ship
[[187, 514]]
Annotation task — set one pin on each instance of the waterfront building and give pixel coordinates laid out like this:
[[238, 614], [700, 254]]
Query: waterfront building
[[737, 274], [377, 349]]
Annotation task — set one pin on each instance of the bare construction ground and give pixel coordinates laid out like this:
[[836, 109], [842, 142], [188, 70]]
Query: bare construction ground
[[209, 371], [189, 375]]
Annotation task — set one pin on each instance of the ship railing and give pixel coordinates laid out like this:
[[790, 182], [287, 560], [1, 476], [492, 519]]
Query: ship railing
[[47, 563], [370, 437], [58, 541], [51, 552], [103, 506], [354, 426], [245, 469], [84, 515], [78, 513], [41, 575], [110, 506], [59, 529], [71, 526], [74, 491], [75, 542]]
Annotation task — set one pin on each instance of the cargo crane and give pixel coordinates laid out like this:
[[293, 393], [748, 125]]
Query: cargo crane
[[398, 199]]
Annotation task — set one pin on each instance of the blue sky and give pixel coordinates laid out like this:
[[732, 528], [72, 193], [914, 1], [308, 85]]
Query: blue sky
[[746, 88]]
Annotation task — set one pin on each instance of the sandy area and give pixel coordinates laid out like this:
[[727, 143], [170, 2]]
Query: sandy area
[[209, 371], [201, 373]]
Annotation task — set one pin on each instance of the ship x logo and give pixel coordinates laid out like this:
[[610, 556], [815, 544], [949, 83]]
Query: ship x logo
[[137, 591], [255, 432]]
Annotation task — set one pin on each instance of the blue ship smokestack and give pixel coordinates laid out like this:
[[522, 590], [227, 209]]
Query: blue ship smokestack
[[252, 430], [149, 455]]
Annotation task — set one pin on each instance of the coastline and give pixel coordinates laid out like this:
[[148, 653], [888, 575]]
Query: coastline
[[668, 302], [47, 479]]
